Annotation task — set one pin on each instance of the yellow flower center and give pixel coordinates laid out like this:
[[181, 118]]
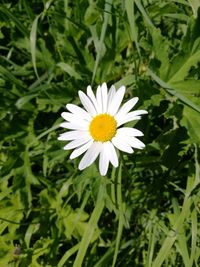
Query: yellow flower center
[[103, 127]]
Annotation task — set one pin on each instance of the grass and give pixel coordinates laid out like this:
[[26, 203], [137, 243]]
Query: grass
[[146, 212]]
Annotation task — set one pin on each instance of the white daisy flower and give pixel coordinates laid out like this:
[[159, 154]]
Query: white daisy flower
[[97, 129]]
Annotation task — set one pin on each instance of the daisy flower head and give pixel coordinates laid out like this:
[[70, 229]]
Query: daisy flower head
[[96, 130]]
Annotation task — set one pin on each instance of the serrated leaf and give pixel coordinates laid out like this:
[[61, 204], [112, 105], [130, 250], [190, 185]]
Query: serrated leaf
[[171, 90], [182, 65], [189, 54], [190, 86], [191, 120], [160, 48]]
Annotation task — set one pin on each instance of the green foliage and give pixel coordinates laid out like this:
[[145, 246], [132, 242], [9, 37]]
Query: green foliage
[[146, 212]]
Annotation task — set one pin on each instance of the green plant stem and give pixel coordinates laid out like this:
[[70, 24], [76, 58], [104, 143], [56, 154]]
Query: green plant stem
[[113, 183], [92, 224], [120, 207]]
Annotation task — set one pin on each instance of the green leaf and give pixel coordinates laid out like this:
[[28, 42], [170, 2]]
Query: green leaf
[[107, 9], [24, 100], [67, 68], [190, 86], [91, 226], [171, 90], [33, 38], [14, 18], [129, 5], [195, 4], [181, 66], [7, 75], [189, 54], [191, 120], [161, 49]]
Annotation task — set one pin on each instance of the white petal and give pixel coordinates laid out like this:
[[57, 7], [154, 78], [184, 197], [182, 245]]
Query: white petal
[[79, 151], [121, 144], [116, 101], [111, 94], [99, 99], [80, 112], [134, 142], [74, 117], [103, 160], [111, 152], [137, 112], [123, 121], [131, 116], [92, 97], [88, 105], [72, 135], [81, 125], [127, 131], [90, 156], [127, 107], [77, 143], [104, 93]]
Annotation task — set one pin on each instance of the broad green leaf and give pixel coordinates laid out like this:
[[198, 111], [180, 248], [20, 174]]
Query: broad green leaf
[[171, 90], [183, 65], [189, 53], [161, 50], [189, 86], [191, 120]]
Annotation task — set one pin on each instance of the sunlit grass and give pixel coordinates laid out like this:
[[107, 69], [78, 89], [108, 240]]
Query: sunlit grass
[[146, 212]]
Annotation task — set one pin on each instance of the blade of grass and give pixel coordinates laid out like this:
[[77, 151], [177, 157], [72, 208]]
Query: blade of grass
[[91, 226], [104, 261], [194, 232], [18, 24], [143, 12], [107, 9], [10, 77], [151, 246], [129, 5], [68, 254], [172, 234], [33, 38], [197, 166], [121, 216], [181, 236]]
